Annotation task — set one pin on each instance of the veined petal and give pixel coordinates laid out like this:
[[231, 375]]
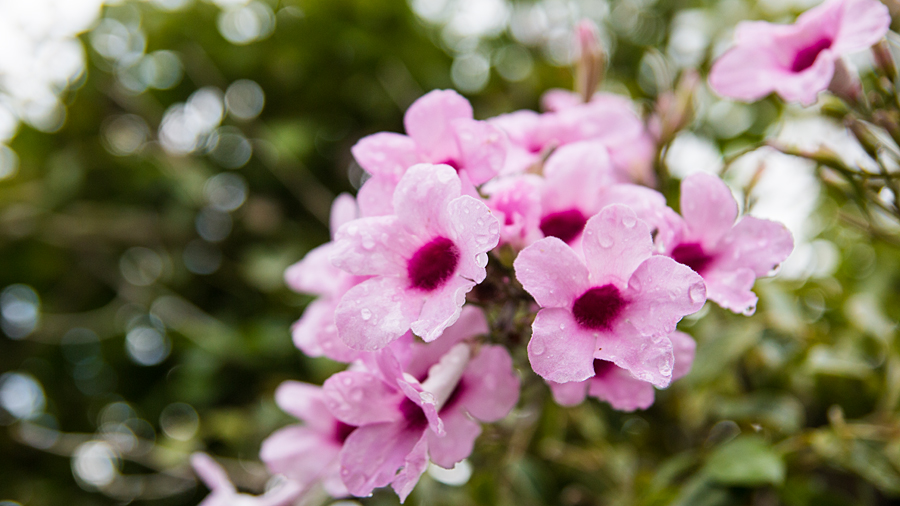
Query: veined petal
[[615, 243], [441, 308], [386, 154], [708, 208], [559, 349], [428, 121], [660, 293], [551, 272], [361, 398], [376, 312]]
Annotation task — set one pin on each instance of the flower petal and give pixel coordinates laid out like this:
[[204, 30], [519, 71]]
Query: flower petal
[[648, 358], [731, 289], [684, 347], [458, 443], [757, 244], [551, 272], [475, 231], [361, 398], [615, 243], [569, 394], [373, 246], [386, 154], [343, 209], [372, 455], [375, 312], [428, 121], [492, 387], [482, 148], [660, 293], [414, 465], [375, 196], [441, 308], [708, 207], [621, 390], [422, 196], [305, 402], [862, 24], [299, 453], [315, 273], [559, 350], [745, 73], [315, 333]]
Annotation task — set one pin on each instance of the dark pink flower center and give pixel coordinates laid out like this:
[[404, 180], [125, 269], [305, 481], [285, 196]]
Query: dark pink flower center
[[413, 414], [342, 431], [565, 225], [692, 255], [433, 264], [451, 162], [805, 57], [598, 307], [602, 367]]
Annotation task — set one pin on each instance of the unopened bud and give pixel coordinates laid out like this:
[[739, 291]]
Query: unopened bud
[[845, 84], [890, 122], [864, 135], [591, 66], [675, 108], [884, 60]]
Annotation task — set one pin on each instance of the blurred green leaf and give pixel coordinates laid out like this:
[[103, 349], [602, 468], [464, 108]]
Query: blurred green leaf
[[747, 461]]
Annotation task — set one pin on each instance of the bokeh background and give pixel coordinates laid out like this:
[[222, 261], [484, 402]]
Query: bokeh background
[[162, 162]]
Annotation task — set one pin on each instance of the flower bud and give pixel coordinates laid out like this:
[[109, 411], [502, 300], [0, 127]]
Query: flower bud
[[591, 66]]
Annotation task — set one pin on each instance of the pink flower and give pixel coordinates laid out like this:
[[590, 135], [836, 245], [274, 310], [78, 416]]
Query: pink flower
[[223, 492], [516, 202], [307, 453], [608, 119], [579, 181], [729, 256], [423, 259], [620, 388], [797, 61], [618, 304], [440, 129], [315, 333], [404, 423]]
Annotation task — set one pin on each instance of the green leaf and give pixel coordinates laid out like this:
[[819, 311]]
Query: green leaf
[[747, 461]]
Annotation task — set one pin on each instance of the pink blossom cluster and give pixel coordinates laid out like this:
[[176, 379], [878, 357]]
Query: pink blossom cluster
[[551, 214]]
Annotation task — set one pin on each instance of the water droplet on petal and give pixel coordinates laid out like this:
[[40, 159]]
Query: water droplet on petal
[[629, 221], [606, 241], [366, 314], [537, 348], [697, 293]]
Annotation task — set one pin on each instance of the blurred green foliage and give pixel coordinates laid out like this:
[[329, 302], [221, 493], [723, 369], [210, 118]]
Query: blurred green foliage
[[797, 405]]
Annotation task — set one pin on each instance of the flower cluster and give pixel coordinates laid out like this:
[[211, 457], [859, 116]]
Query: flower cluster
[[469, 232], [550, 215]]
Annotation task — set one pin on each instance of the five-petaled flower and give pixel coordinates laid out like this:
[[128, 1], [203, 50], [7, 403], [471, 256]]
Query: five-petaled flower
[[619, 303], [423, 260], [729, 256], [797, 61]]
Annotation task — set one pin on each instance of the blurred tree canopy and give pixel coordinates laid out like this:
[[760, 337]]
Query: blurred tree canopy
[[144, 240]]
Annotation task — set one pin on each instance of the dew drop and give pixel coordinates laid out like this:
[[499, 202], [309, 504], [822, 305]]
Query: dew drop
[[629, 221], [562, 326], [697, 293], [537, 348], [606, 241]]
